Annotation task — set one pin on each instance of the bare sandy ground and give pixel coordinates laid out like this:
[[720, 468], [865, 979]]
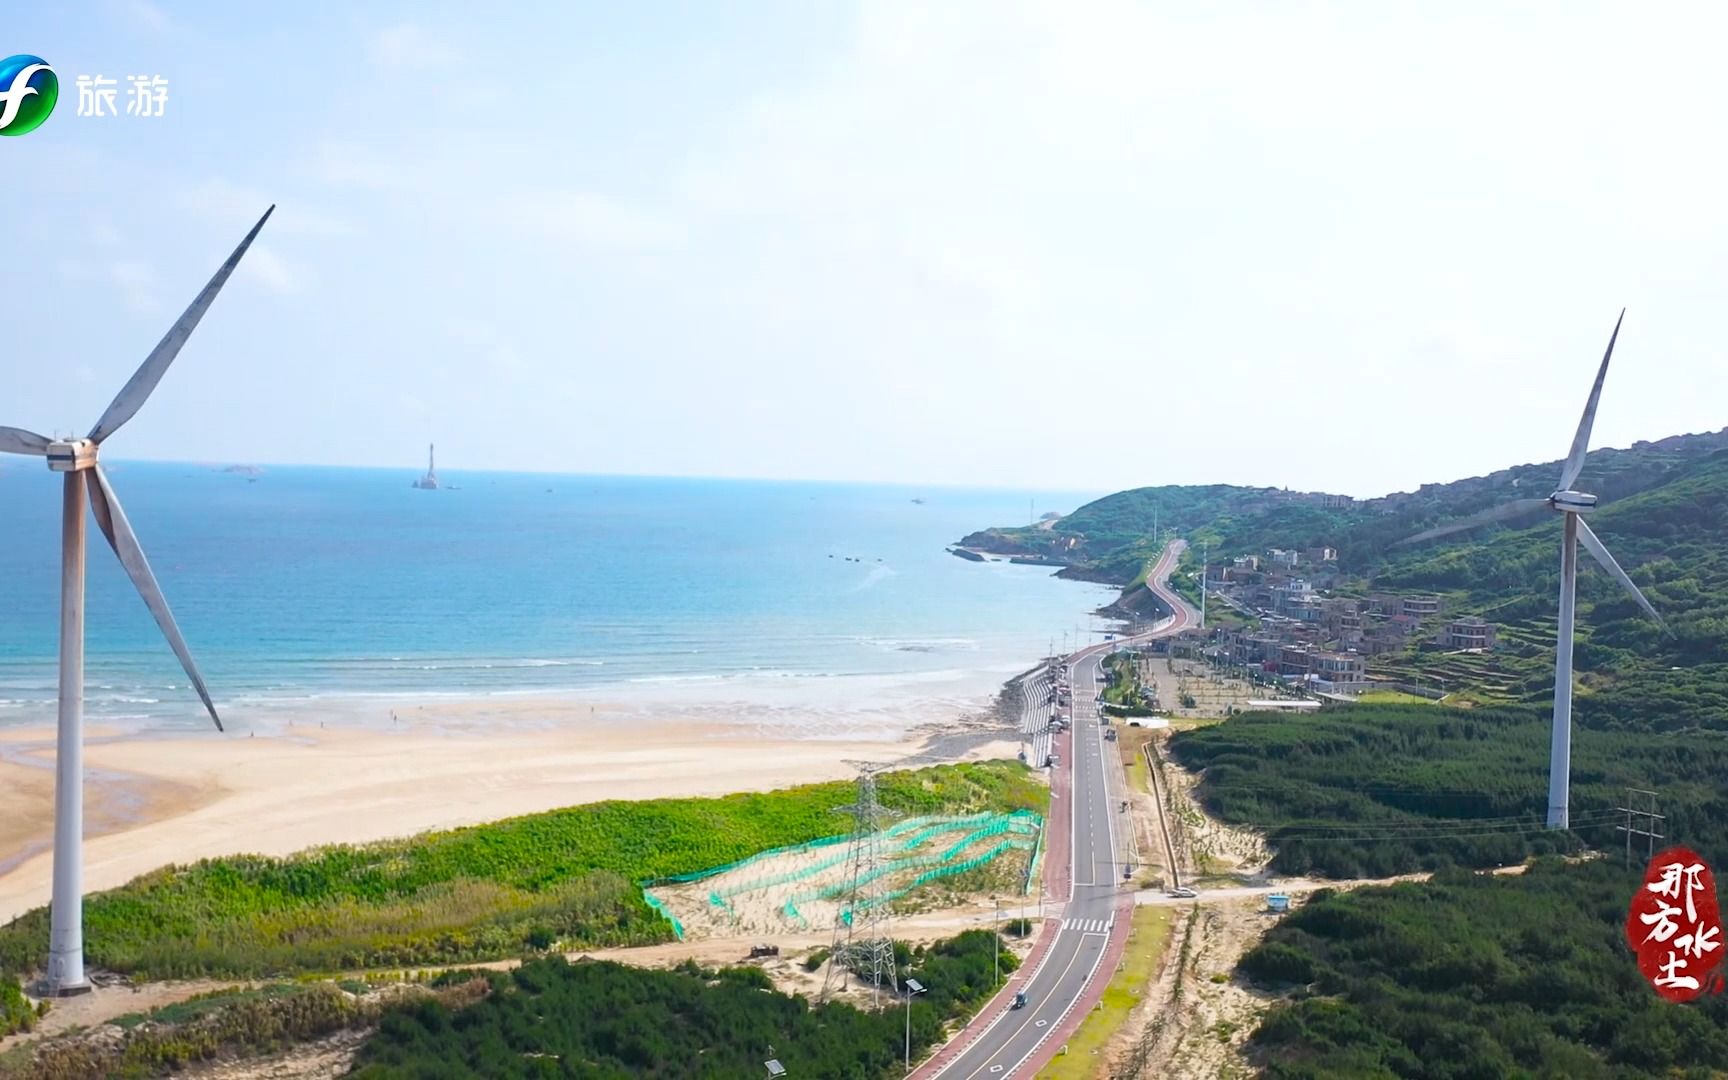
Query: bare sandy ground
[[155, 800]]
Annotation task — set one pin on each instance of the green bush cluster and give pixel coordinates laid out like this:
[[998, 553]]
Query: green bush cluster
[[16, 1012], [1375, 790], [1476, 975], [226, 1024], [605, 1020], [565, 877], [1467, 975]]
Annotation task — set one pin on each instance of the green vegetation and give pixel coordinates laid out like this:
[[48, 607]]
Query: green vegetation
[[1665, 510], [1371, 790], [1390, 697], [1111, 538], [1148, 936], [1123, 692], [16, 1012], [1467, 975], [1476, 975], [603, 1020], [224, 1024], [563, 878]]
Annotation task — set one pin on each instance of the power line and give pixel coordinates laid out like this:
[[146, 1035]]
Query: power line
[[1528, 828], [1650, 816]]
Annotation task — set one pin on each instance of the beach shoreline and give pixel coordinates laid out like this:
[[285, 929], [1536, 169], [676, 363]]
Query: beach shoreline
[[156, 797]]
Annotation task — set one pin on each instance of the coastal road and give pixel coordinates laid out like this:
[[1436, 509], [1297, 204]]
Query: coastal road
[[1068, 971]]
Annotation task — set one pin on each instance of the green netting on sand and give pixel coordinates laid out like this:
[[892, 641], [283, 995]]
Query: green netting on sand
[[907, 835], [654, 902], [942, 872], [680, 879], [1032, 863]]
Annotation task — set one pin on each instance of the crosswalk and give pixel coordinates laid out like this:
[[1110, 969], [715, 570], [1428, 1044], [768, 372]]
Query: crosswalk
[[1087, 926]]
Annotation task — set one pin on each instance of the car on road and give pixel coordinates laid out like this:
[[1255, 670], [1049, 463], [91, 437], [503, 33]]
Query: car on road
[[1183, 892], [1019, 1000]]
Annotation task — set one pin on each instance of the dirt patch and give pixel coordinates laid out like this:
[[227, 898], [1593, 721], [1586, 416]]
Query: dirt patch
[[326, 1057], [104, 1003], [1198, 1017], [1213, 693], [1210, 849], [787, 969]]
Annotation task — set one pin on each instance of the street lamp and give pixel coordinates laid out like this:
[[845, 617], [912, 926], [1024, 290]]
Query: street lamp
[[995, 924], [913, 989]]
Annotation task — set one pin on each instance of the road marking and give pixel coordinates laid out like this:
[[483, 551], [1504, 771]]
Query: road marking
[[1009, 1039], [1093, 926]]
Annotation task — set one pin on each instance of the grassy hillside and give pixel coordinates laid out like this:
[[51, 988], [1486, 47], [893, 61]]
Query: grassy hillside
[[1375, 790], [1469, 975], [1475, 975], [1665, 516], [1111, 537], [478, 893]]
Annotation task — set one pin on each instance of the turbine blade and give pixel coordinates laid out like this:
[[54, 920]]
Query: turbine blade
[[18, 441], [1581, 441], [112, 520], [137, 389], [1503, 512], [1594, 546]]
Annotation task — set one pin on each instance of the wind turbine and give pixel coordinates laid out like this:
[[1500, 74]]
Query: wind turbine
[[1573, 505], [84, 477]]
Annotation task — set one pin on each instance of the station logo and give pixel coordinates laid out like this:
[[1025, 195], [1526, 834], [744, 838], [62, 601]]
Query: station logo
[[28, 91]]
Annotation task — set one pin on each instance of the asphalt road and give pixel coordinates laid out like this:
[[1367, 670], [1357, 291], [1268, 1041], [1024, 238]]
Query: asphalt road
[[1008, 1044]]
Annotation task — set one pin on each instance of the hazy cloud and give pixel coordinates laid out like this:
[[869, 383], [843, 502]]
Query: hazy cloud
[[409, 45]]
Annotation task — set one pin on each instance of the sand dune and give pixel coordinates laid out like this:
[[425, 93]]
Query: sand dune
[[160, 799]]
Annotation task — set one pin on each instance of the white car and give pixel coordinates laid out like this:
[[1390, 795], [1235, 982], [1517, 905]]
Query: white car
[[1183, 893]]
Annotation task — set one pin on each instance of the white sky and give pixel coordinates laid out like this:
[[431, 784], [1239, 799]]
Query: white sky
[[1349, 247]]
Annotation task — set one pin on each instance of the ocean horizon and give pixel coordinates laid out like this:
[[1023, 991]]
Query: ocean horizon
[[306, 588]]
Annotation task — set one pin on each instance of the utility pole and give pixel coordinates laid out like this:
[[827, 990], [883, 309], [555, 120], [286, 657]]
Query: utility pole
[[1203, 566], [995, 926], [1650, 816]]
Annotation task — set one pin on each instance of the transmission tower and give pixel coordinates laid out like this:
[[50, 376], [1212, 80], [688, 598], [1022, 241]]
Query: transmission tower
[[861, 942]]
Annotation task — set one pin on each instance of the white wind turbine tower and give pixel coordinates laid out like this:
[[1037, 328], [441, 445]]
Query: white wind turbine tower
[[77, 459], [1572, 504]]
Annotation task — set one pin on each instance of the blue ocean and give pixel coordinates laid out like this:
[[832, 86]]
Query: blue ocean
[[296, 586]]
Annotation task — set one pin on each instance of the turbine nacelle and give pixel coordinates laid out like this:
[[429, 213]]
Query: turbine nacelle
[[85, 485], [1572, 502], [71, 455]]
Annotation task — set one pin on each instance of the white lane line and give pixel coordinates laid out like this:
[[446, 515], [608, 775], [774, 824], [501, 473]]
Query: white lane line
[[1090, 975], [1060, 979]]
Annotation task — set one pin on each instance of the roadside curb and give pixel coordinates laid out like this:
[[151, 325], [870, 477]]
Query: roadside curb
[[995, 1009], [1075, 1015]]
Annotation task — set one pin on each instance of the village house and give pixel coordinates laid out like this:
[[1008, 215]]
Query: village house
[[1421, 606], [1339, 668], [1468, 632]]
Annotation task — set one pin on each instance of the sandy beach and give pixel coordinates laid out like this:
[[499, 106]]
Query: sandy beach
[[153, 799]]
